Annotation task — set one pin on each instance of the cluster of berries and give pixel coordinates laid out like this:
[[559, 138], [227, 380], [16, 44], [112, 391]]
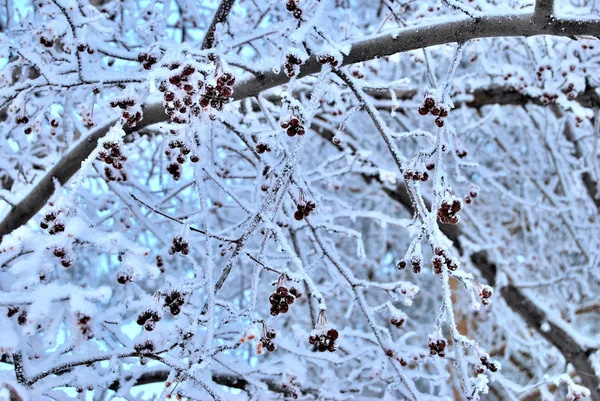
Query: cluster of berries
[[112, 155], [431, 105], [148, 319], [448, 211], [461, 153], [132, 117], [160, 263], [184, 150], [51, 219], [123, 277], [266, 341], [469, 198], [292, 64], [146, 346], [485, 294], [571, 92], [282, 298], [46, 42], [61, 253], [293, 126], [415, 261], [324, 339], [218, 95], [148, 60], [547, 98], [439, 259], [437, 347], [327, 59], [22, 120], [304, 208], [292, 7], [12, 310], [486, 364], [83, 320], [397, 321], [262, 147], [179, 245], [83, 47], [175, 170], [174, 301], [22, 318], [415, 175]]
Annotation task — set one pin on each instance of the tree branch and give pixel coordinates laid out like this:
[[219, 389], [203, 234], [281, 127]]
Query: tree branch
[[544, 10], [514, 297], [379, 46], [220, 17]]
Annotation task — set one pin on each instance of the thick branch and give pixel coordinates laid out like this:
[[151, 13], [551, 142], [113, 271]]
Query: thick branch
[[220, 17], [379, 46]]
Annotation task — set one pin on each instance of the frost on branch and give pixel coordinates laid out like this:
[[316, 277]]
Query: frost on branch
[[322, 199]]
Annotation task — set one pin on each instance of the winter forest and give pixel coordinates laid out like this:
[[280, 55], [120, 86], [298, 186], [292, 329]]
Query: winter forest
[[300, 199]]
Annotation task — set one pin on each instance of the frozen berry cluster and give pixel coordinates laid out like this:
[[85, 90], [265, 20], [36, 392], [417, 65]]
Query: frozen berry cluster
[[179, 245], [291, 66], [147, 60], [439, 259], [160, 263], [131, 114], [292, 7], [22, 120], [82, 47], [123, 277], [431, 105], [486, 364], [293, 126], [217, 96], [327, 59], [448, 211], [461, 153], [175, 170], [82, 321], [485, 294], [262, 148], [437, 347], [61, 253], [184, 151], [12, 310], [52, 223], [113, 156], [148, 319], [324, 340], [415, 261], [415, 175], [304, 209], [397, 321], [469, 198], [174, 301], [22, 318], [185, 94], [146, 346], [282, 298], [266, 341], [46, 42]]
